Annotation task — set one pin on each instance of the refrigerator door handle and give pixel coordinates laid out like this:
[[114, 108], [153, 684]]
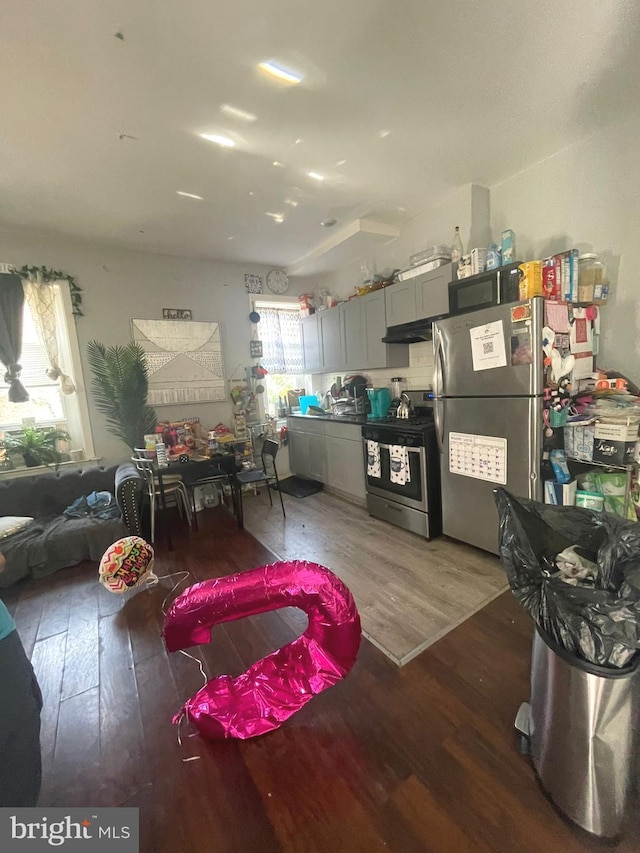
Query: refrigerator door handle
[[439, 422], [534, 439], [438, 373]]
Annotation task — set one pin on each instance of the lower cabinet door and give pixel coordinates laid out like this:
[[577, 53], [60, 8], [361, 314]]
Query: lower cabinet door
[[298, 453], [345, 466], [317, 455]]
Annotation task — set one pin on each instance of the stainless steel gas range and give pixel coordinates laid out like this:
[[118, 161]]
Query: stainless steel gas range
[[402, 469]]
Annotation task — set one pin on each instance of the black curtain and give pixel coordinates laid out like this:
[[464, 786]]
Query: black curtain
[[11, 306]]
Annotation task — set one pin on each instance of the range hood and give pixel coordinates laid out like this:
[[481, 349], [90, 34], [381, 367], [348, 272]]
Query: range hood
[[409, 333]]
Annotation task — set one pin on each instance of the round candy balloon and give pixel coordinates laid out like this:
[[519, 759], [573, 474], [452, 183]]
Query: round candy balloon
[[127, 564], [280, 684]]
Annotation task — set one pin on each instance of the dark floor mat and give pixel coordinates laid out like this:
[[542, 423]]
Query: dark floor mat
[[299, 487]]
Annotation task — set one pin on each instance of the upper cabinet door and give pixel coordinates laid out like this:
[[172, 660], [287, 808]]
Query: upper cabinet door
[[432, 293], [353, 337], [310, 343], [400, 300], [330, 339], [375, 327]]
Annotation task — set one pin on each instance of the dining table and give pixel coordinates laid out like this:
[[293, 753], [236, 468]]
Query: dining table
[[192, 468]]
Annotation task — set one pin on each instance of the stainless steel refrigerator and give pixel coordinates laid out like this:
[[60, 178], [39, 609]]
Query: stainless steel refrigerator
[[488, 387]]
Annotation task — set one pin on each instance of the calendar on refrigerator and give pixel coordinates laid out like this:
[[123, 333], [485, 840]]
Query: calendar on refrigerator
[[481, 456]]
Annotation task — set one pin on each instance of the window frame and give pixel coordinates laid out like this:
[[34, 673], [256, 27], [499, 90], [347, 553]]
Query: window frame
[[75, 406]]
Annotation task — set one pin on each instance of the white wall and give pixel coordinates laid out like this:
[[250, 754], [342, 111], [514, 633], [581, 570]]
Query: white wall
[[119, 285], [587, 196], [467, 207]]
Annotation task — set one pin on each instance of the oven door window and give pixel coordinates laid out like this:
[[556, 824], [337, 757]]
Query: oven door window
[[411, 489]]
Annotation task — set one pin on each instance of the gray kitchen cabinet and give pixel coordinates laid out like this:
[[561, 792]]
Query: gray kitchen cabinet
[[317, 455], [298, 452], [400, 302], [420, 298], [432, 293], [354, 338], [364, 324], [311, 343], [345, 459], [307, 448], [330, 336], [375, 324]]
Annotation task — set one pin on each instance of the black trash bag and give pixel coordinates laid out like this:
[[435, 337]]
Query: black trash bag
[[600, 624]]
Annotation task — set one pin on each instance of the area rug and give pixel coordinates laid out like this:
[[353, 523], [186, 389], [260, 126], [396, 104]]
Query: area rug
[[299, 487]]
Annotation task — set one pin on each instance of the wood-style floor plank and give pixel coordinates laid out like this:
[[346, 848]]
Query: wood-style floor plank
[[411, 759], [409, 592]]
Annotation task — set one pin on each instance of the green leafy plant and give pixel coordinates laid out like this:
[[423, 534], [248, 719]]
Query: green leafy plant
[[51, 275], [37, 446], [120, 388]]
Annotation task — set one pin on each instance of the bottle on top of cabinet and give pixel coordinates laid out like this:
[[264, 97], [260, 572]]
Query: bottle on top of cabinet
[[457, 250]]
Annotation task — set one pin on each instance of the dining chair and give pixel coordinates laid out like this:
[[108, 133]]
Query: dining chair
[[142, 453], [267, 474], [175, 489], [218, 480]]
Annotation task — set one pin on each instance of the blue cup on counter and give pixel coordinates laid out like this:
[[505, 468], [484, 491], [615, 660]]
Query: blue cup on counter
[[379, 400]]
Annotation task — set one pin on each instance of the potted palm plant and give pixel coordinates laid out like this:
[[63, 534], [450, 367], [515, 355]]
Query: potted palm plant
[[120, 388], [37, 446]]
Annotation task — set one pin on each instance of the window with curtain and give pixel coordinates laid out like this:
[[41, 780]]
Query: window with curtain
[[282, 353], [50, 362], [279, 331], [45, 403]]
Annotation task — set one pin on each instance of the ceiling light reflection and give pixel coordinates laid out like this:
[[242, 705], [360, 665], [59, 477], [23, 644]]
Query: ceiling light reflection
[[224, 141], [316, 176], [279, 72], [189, 195], [236, 112]]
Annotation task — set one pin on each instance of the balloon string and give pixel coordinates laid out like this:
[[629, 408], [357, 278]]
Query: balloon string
[[181, 577], [193, 757], [198, 661]]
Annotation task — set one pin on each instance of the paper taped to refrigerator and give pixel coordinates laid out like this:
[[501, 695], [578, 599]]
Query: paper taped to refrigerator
[[488, 346], [483, 457]]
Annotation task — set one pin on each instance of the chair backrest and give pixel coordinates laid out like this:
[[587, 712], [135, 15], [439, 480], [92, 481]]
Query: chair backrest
[[268, 454], [145, 467]]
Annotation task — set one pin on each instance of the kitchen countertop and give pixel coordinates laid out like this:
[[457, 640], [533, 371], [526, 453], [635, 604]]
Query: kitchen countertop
[[328, 416]]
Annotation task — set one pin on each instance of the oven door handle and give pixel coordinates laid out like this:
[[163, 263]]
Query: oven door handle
[[409, 449]]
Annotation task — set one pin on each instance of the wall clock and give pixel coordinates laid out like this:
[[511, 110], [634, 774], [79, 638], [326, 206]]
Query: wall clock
[[277, 281]]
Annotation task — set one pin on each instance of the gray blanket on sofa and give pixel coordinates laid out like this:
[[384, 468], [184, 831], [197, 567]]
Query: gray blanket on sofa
[[50, 544]]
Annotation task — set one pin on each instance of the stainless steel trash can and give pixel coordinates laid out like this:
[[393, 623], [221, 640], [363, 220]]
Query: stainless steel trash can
[[582, 726]]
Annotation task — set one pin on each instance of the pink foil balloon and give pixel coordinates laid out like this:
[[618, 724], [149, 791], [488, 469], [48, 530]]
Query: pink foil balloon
[[278, 685]]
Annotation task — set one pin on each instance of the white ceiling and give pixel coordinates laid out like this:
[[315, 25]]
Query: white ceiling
[[417, 96]]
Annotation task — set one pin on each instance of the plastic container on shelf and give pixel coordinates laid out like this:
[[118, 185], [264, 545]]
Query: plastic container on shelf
[[593, 285]]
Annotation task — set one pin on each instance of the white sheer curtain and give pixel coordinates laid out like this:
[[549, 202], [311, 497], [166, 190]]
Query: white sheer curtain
[[41, 299], [279, 331]]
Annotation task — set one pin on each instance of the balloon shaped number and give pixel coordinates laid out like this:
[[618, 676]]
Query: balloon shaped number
[[280, 684]]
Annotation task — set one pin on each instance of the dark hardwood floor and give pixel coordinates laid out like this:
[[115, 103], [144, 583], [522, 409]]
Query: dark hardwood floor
[[421, 758]]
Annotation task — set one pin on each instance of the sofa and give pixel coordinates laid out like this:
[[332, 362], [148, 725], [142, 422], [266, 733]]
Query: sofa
[[53, 540]]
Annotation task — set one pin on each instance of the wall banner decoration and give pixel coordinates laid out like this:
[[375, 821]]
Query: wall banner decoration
[[253, 283], [176, 314], [184, 360]]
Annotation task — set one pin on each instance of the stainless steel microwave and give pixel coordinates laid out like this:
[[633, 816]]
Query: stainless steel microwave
[[493, 287]]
